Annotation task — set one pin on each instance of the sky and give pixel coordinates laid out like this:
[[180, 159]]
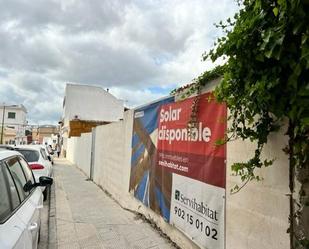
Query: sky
[[139, 49]]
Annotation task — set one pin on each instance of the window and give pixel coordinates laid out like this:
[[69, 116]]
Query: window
[[27, 170], [5, 207], [18, 177], [11, 115], [30, 155], [12, 189], [43, 153]]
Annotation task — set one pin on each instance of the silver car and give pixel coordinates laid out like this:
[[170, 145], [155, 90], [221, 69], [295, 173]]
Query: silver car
[[20, 202]]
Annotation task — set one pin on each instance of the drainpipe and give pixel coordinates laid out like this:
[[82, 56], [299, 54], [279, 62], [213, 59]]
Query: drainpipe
[[2, 124]]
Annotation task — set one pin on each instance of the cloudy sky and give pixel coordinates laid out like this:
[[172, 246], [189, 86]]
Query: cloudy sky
[[139, 49]]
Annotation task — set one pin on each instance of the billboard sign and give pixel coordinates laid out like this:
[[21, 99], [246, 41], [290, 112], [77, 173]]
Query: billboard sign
[[178, 171]]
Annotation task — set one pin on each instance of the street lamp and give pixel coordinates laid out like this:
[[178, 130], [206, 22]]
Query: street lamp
[[2, 124]]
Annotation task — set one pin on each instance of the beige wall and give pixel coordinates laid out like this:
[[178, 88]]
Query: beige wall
[[39, 133], [71, 149], [256, 217]]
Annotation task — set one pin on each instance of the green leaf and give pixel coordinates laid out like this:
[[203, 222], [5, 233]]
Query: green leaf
[[260, 57], [297, 28], [305, 121], [220, 141], [304, 38], [282, 3], [275, 10]]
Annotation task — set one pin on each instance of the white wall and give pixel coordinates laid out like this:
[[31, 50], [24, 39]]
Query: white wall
[[91, 103], [79, 151], [256, 217], [18, 123], [71, 148], [109, 158], [20, 116]]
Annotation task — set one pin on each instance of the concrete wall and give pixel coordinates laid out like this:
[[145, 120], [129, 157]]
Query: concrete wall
[[256, 217], [71, 148], [109, 158], [79, 151]]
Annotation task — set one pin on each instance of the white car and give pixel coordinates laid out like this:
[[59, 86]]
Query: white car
[[20, 202], [50, 153], [38, 160]]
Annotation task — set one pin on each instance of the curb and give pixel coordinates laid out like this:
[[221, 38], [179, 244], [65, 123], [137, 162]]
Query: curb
[[52, 234]]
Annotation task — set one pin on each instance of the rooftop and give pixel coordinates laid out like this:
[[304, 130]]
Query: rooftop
[[21, 107]]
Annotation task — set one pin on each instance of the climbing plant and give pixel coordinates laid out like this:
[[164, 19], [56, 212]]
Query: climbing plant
[[265, 84]]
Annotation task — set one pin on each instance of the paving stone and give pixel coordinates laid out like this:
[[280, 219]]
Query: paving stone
[[87, 218], [91, 242], [70, 245]]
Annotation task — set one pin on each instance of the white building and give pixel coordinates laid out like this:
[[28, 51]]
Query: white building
[[13, 117], [88, 104]]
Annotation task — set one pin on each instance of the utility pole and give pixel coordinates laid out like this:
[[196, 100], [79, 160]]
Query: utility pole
[[2, 124]]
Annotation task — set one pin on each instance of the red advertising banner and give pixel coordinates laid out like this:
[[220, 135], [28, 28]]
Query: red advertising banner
[[192, 152], [179, 172]]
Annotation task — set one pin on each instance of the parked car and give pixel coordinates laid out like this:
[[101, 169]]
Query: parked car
[[20, 202], [6, 147], [38, 161], [50, 153]]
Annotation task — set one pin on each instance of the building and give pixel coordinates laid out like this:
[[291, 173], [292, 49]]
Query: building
[[85, 107], [9, 135], [45, 133], [13, 123]]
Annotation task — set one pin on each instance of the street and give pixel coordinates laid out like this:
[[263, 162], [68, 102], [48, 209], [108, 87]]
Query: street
[[86, 217]]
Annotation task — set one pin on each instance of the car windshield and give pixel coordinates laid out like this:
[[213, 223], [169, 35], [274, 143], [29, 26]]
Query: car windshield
[[30, 155]]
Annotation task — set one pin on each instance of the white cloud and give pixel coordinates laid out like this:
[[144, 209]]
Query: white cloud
[[133, 98], [128, 46]]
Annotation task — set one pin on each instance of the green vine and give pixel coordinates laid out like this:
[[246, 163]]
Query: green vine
[[197, 84], [265, 83], [195, 88]]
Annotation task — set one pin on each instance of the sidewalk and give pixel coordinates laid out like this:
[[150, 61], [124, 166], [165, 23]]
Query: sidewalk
[[87, 218]]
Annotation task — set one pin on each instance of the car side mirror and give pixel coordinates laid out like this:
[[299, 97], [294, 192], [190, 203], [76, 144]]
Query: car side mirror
[[28, 186], [45, 181]]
